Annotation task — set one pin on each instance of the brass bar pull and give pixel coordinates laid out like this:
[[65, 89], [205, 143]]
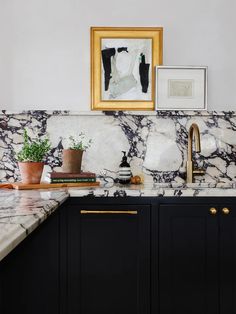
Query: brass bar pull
[[225, 211], [127, 212], [213, 210], [199, 171]]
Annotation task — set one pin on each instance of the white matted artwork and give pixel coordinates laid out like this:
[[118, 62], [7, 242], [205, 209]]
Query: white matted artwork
[[126, 69], [181, 88]]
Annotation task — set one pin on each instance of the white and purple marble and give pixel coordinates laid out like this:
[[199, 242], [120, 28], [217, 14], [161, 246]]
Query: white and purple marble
[[157, 190], [23, 211], [156, 142]]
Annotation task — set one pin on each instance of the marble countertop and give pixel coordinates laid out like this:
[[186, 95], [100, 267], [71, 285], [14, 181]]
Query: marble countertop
[[157, 190], [23, 211]]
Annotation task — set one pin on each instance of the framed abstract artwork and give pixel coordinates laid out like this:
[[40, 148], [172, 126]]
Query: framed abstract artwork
[[181, 88], [123, 61]]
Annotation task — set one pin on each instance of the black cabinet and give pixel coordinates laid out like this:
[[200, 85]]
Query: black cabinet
[[108, 259], [227, 258], [29, 275], [188, 250], [197, 258], [126, 255]]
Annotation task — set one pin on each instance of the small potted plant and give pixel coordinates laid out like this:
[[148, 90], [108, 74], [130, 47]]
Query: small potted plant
[[72, 157], [30, 158]]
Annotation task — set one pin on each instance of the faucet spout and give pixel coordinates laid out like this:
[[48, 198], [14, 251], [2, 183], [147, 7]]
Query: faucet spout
[[193, 133]]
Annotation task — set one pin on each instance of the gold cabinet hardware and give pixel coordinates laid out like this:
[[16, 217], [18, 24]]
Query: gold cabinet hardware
[[127, 212], [213, 210], [225, 211], [199, 171]]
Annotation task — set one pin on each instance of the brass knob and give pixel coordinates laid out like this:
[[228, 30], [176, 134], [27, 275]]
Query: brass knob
[[225, 211], [213, 210]]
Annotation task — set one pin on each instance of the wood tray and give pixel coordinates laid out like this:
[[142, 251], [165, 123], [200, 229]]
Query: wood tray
[[21, 186]]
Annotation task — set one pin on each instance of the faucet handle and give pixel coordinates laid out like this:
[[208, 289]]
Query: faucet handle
[[199, 171]]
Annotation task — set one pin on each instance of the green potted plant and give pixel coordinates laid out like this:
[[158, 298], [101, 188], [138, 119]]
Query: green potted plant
[[30, 158], [72, 157]]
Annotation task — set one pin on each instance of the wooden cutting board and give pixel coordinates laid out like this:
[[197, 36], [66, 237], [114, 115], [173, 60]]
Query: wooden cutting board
[[21, 186], [6, 186]]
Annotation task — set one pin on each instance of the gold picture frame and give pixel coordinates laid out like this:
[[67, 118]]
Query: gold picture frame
[[130, 83]]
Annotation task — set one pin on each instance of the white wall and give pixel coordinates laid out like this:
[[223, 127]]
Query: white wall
[[45, 52]]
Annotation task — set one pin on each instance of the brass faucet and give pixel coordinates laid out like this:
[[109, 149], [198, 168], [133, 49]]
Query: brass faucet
[[193, 133]]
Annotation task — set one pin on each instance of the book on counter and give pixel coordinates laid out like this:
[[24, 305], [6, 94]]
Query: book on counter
[[64, 177], [71, 180]]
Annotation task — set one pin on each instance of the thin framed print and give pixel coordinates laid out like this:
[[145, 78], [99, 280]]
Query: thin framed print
[[123, 61], [181, 88]]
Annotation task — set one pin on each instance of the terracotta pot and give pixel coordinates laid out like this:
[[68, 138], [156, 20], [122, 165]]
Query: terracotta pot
[[71, 160], [31, 172]]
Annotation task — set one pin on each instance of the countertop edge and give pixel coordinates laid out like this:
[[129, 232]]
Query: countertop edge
[[20, 220], [19, 232]]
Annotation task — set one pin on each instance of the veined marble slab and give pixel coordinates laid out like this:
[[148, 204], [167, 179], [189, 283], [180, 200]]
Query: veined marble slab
[[23, 211], [138, 113], [156, 142], [157, 190]]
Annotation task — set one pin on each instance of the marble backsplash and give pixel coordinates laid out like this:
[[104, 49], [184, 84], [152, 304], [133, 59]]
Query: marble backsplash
[[156, 142]]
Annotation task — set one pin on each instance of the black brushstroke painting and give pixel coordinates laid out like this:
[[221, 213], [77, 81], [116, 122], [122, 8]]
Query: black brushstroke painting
[[144, 73], [144, 67], [123, 49], [106, 60]]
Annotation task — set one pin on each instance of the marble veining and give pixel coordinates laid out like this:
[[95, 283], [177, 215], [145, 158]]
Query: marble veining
[[22, 212], [157, 190], [156, 142]]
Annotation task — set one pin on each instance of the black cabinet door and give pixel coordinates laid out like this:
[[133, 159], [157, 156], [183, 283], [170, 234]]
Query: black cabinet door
[[227, 258], [108, 268], [29, 275], [188, 260]]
